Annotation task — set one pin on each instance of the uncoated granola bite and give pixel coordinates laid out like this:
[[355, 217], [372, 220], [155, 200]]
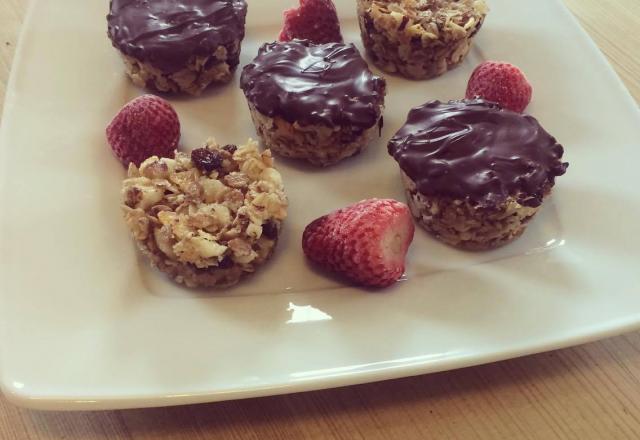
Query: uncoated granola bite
[[419, 39], [208, 218], [178, 45], [474, 173], [318, 102]]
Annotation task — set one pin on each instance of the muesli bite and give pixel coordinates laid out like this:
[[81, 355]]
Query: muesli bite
[[207, 218], [474, 173], [178, 45], [419, 39], [318, 102]]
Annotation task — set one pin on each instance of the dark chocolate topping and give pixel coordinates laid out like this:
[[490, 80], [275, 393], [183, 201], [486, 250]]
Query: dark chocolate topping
[[327, 84], [475, 150], [167, 33]]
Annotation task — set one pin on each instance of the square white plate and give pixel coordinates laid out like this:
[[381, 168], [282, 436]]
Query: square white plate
[[85, 324]]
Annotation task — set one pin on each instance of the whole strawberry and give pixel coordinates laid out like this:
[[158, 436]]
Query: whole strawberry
[[500, 82], [315, 20], [146, 126], [366, 242]]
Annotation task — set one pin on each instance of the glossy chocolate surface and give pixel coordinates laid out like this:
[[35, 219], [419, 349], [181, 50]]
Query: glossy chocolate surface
[[474, 149], [167, 33], [327, 84]]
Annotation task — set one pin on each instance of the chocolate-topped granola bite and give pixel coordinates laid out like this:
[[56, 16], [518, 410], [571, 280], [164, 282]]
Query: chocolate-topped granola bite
[[178, 45], [474, 172], [318, 102]]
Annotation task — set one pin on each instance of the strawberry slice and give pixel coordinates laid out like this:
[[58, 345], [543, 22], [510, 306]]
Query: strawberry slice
[[366, 242], [315, 20]]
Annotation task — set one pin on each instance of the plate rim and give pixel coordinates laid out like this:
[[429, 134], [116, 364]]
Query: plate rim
[[100, 403]]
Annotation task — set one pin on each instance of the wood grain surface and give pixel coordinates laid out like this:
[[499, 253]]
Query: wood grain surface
[[587, 392]]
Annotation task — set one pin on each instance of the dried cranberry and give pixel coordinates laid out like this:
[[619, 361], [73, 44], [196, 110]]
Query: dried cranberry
[[206, 160], [270, 230], [226, 262], [230, 148]]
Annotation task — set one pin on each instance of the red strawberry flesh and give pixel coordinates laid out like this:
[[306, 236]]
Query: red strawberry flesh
[[366, 242], [314, 20], [500, 82]]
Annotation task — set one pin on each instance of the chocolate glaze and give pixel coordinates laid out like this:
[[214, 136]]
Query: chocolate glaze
[[475, 150], [166, 33], [327, 84]]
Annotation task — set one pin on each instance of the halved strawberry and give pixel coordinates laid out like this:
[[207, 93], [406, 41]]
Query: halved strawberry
[[315, 20], [366, 242]]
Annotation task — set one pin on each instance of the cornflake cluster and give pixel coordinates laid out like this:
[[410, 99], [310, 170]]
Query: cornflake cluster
[[428, 19], [419, 39], [208, 217]]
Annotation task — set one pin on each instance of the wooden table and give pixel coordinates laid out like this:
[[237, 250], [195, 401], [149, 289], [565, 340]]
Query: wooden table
[[587, 392]]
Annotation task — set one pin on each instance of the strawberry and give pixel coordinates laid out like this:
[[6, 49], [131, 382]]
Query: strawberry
[[499, 82], [144, 127], [366, 242], [315, 20]]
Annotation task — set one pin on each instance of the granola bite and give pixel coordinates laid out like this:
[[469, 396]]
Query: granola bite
[[207, 218], [419, 39], [178, 45], [317, 102], [475, 174]]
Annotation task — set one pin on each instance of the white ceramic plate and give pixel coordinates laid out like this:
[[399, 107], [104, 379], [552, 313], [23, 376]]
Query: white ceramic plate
[[85, 324]]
